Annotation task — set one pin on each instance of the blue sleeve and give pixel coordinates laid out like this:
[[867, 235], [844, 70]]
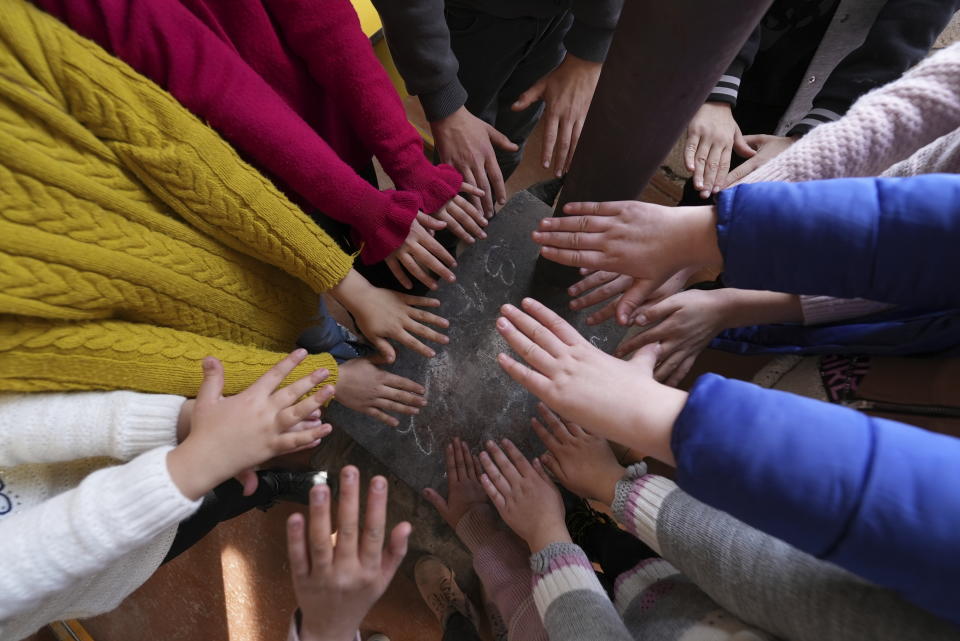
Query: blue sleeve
[[879, 498], [888, 239]]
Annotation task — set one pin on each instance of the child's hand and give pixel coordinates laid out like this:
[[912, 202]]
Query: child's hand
[[337, 585], [231, 434], [649, 242], [767, 148], [463, 219], [464, 491], [582, 463], [616, 399], [711, 136], [365, 388], [421, 254], [524, 495], [387, 314], [599, 287], [688, 321]]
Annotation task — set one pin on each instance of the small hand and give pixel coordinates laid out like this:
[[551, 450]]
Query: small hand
[[599, 287], [581, 462], [365, 388], [463, 219], [615, 399], [336, 585], [567, 92], [711, 136], [767, 148], [649, 242], [464, 491], [524, 496], [637, 295], [466, 142], [421, 254], [229, 435]]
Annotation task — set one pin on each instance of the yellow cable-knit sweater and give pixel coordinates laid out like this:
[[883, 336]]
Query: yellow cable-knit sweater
[[133, 239]]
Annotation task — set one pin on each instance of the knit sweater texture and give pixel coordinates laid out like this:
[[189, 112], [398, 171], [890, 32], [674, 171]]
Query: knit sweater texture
[[133, 239], [296, 87], [80, 531]]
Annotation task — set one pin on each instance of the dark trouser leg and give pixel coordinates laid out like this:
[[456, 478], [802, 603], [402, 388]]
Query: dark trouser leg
[[614, 549], [499, 59], [223, 503], [459, 628]]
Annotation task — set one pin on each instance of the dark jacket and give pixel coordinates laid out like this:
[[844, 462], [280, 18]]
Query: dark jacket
[[420, 40], [877, 497]]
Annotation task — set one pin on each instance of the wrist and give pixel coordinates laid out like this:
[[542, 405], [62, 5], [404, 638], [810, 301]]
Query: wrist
[[606, 488], [351, 289], [656, 419], [699, 240], [192, 470], [544, 536], [323, 631], [183, 420]]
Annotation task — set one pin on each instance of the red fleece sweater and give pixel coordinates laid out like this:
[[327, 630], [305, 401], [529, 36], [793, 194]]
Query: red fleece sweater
[[295, 86]]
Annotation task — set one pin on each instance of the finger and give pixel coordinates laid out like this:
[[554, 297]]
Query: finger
[[296, 441], [267, 383], [534, 330], [742, 171], [632, 299], [468, 224], [211, 388], [458, 460], [468, 208], [557, 425], [530, 96], [451, 461], [416, 271], [575, 257], [398, 272], [249, 480], [297, 413], [649, 314], [496, 178], [551, 463], [297, 547], [590, 281], [288, 395], [604, 313], [545, 435], [348, 510], [593, 208], [437, 501], [585, 239], [395, 551], [742, 147], [405, 384], [552, 321], [551, 127], [432, 255], [374, 522], [535, 382], [421, 316], [516, 457], [700, 164], [431, 222], [689, 150], [386, 419], [420, 301], [321, 548], [483, 181], [392, 406], [603, 293], [669, 363], [504, 463], [494, 474], [722, 170], [470, 190], [574, 139], [476, 198], [401, 396], [456, 228], [646, 358], [413, 344], [493, 493], [710, 171], [500, 140], [525, 348], [468, 462], [386, 350], [682, 370], [564, 133]]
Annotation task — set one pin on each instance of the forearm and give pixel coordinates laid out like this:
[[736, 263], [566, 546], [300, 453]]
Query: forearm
[[48, 427], [745, 307]]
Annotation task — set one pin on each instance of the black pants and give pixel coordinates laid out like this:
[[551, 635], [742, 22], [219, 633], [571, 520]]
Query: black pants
[[223, 503], [499, 59]]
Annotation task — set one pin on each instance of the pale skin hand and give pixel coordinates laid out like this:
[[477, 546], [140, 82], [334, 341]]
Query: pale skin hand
[[466, 142], [383, 314], [524, 496], [618, 400], [229, 435], [711, 136], [464, 491], [365, 388], [767, 148], [649, 242], [462, 218], [581, 462], [421, 254], [336, 585], [619, 295], [688, 321], [566, 92]]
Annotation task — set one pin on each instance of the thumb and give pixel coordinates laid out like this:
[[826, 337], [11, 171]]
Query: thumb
[[530, 96], [430, 222], [741, 147], [396, 550], [436, 501], [632, 299], [741, 172], [500, 140], [645, 358], [646, 315], [212, 386], [249, 480], [385, 350]]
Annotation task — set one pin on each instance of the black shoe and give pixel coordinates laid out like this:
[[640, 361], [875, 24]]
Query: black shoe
[[293, 486]]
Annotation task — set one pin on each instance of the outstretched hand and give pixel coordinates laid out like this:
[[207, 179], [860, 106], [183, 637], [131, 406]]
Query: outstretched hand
[[422, 255], [464, 491], [711, 137], [612, 398], [464, 220], [365, 388], [336, 585], [524, 496], [649, 242]]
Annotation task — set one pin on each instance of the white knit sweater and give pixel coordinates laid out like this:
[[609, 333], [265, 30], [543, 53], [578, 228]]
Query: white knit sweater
[[81, 532]]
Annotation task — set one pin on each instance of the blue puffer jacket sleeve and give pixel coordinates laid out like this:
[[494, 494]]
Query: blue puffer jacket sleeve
[[879, 498], [888, 239]]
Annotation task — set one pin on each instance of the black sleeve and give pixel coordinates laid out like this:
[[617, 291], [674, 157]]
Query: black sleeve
[[592, 30], [899, 38], [728, 86]]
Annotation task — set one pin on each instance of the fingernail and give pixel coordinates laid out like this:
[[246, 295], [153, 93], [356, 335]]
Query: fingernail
[[471, 241], [546, 165], [537, 236], [319, 494], [299, 353], [507, 307], [349, 475], [640, 319], [483, 234], [378, 483], [503, 323], [546, 222], [207, 362], [416, 411]]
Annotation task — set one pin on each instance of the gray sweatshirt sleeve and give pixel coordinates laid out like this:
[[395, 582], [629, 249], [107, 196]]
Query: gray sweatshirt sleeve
[[419, 42], [592, 31]]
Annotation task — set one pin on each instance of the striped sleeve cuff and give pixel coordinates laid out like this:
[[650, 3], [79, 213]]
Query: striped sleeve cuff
[[726, 90], [558, 569], [813, 119], [637, 502], [630, 584], [827, 309]]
